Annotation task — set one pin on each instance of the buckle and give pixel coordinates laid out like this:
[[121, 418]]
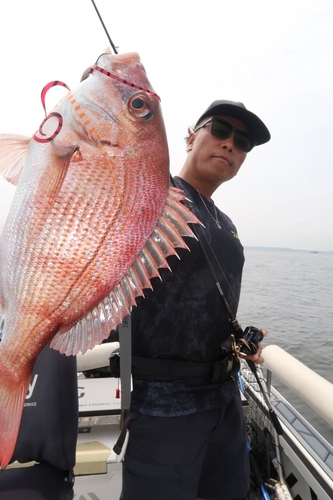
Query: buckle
[[235, 349], [221, 370]]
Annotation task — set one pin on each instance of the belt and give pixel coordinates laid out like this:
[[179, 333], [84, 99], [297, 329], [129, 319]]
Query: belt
[[171, 369]]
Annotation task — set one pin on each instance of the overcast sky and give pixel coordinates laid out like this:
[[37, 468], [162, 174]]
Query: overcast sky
[[275, 56]]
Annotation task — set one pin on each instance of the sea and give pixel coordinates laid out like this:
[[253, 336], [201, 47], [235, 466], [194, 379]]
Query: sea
[[290, 293]]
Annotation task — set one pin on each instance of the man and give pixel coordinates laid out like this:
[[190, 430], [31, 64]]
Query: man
[[187, 433]]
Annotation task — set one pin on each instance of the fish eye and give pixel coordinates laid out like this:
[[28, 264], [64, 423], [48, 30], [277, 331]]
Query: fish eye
[[140, 106], [138, 103]]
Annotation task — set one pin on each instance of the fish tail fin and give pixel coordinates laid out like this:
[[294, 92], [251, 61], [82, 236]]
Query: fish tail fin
[[11, 406]]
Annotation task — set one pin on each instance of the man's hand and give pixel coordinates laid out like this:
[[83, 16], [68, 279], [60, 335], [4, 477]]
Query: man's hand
[[257, 357]]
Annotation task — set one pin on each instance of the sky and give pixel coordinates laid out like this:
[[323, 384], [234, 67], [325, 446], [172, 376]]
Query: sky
[[275, 57]]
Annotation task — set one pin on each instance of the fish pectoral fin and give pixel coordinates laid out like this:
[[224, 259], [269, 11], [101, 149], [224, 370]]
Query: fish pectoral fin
[[13, 150]]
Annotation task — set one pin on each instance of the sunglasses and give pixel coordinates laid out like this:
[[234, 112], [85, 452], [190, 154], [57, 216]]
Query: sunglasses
[[223, 129]]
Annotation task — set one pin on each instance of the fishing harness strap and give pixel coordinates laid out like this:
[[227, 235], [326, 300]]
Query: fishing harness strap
[[171, 369]]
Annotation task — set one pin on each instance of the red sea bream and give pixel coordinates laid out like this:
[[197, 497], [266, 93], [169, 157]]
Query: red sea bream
[[92, 220]]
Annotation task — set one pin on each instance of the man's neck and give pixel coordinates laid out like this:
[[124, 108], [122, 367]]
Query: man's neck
[[201, 185]]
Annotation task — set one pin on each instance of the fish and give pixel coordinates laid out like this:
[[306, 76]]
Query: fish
[[92, 221]]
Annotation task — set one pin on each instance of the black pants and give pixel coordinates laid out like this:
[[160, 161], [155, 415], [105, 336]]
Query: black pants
[[181, 458], [39, 482]]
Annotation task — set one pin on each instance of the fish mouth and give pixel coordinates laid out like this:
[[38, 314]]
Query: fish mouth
[[120, 63], [126, 68], [127, 58]]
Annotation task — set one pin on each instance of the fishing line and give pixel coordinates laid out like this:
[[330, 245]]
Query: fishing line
[[108, 73], [106, 31]]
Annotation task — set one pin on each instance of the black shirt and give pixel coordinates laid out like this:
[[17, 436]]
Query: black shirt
[[184, 318]]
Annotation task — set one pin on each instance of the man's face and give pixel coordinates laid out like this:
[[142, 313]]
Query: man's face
[[215, 159]]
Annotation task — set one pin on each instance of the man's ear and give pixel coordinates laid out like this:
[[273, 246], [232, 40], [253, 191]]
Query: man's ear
[[190, 141]]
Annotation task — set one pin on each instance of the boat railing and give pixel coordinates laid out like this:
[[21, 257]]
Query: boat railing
[[314, 390]]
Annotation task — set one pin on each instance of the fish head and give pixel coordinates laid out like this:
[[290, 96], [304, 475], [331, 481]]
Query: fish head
[[119, 91]]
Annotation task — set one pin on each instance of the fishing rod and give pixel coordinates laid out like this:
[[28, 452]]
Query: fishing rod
[[106, 31]]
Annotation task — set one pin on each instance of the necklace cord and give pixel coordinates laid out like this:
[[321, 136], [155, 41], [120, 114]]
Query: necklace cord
[[216, 220], [210, 246]]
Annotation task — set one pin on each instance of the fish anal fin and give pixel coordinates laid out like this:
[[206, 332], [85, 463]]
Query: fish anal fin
[[90, 330]]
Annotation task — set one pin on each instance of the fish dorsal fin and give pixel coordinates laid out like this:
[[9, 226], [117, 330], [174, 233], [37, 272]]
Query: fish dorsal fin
[[13, 150], [96, 325]]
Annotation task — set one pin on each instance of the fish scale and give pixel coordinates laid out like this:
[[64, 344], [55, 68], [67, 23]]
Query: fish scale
[[92, 221]]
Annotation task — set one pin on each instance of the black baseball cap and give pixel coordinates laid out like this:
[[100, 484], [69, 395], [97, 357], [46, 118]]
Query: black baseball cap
[[256, 127]]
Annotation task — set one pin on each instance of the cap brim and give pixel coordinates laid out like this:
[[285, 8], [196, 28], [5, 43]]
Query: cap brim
[[256, 127]]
